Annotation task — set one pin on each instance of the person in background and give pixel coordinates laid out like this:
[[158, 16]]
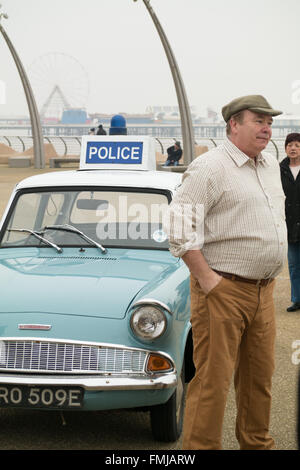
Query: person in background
[[100, 130], [174, 155], [290, 177], [227, 223], [92, 131]]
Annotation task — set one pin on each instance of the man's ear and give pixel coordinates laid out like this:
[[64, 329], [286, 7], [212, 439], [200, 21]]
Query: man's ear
[[233, 125]]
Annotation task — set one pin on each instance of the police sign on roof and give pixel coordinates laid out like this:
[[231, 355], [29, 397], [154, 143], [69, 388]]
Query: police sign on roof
[[118, 152]]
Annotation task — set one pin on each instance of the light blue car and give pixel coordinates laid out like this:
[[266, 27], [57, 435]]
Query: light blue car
[[94, 309]]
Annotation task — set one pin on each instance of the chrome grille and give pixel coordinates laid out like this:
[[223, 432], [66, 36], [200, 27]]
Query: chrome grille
[[61, 357]]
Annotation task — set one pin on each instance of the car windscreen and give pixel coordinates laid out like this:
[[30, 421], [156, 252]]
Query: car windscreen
[[112, 217]]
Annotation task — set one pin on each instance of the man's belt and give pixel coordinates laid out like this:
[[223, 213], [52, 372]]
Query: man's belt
[[234, 277]]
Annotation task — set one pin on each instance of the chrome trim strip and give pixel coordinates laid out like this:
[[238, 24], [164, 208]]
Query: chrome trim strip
[[34, 326], [154, 382], [83, 343], [155, 302]]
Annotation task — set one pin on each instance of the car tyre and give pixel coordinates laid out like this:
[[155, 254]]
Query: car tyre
[[167, 419]]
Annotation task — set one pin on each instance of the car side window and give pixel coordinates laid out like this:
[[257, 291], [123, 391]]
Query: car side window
[[24, 215]]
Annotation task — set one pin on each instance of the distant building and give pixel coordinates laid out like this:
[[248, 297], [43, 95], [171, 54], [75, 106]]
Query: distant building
[[168, 114], [74, 116], [130, 118], [287, 120], [167, 109]]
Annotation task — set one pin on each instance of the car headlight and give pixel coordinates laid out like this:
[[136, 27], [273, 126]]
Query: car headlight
[[148, 322]]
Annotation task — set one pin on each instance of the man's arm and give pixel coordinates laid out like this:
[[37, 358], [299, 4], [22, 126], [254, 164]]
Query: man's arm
[[200, 270], [184, 225], [177, 155], [170, 150]]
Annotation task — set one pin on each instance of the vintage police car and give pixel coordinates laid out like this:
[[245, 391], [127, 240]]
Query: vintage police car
[[94, 309]]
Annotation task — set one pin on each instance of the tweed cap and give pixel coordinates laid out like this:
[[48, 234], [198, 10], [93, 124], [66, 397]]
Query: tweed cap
[[255, 103]]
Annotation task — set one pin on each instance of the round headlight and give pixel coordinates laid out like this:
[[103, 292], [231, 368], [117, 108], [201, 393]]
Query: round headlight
[[148, 322]]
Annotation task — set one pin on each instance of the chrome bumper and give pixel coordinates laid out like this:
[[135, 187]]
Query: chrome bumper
[[94, 383]]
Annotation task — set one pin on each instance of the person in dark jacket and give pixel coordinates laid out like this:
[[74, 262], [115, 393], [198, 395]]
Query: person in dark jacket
[[290, 177], [174, 155], [100, 130]]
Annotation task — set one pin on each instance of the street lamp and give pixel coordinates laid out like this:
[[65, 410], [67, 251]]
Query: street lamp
[[184, 109], [38, 143]]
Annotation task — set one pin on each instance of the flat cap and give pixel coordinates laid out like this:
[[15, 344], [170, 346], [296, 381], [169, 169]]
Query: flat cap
[[255, 103]]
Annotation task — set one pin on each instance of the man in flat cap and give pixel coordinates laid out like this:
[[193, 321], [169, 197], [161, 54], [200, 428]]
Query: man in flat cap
[[233, 194]]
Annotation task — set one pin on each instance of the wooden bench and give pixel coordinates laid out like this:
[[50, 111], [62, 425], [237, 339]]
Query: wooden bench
[[57, 161], [175, 169]]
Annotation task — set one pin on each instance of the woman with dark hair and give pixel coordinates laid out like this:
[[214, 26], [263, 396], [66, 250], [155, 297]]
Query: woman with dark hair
[[290, 177]]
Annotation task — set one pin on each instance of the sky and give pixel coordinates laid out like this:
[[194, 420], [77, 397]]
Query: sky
[[106, 55]]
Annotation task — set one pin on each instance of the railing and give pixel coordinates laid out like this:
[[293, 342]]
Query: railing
[[71, 146]]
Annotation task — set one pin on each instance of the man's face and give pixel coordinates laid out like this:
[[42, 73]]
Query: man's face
[[252, 135], [293, 149]]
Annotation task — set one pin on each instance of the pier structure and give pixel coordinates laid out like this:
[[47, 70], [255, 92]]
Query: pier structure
[[201, 131]]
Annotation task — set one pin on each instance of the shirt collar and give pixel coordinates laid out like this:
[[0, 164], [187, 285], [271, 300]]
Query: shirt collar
[[239, 157]]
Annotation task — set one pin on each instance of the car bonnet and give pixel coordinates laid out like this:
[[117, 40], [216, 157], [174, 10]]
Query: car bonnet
[[89, 284]]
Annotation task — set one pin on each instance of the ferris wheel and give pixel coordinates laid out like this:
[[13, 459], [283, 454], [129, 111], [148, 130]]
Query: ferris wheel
[[59, 82]]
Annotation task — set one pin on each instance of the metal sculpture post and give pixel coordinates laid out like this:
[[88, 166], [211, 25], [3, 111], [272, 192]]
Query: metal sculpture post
[[184, 108], [37, 135]]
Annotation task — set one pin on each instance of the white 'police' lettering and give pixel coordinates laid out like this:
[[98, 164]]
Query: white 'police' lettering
[[121, 153]]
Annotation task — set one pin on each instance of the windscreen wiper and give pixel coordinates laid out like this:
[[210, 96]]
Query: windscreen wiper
[[38, 236], [70, 228]]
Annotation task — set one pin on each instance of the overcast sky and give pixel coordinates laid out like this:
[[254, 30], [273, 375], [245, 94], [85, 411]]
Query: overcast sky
[[224, 49]]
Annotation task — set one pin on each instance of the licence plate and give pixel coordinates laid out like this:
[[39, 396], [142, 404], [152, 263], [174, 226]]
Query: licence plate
[[41, 396]]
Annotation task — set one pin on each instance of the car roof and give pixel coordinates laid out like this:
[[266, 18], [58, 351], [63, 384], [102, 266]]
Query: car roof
[[140, 179]]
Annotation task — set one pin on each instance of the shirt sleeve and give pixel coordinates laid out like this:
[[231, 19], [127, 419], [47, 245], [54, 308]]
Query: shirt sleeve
[[184, 221]]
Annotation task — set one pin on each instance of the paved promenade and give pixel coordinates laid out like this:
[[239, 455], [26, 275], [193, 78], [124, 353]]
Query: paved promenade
[[9, 177], [126, 430]]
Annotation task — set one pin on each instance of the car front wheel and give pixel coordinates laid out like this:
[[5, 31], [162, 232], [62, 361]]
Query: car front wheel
[[167, 419]]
